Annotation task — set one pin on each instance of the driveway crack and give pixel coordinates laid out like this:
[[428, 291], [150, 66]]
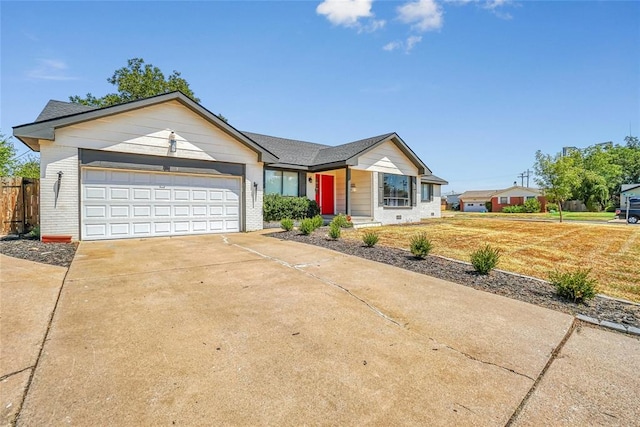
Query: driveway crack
[[534, 386], [4, 377]]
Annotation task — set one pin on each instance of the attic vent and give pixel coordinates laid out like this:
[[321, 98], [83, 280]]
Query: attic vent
[[398, 217]]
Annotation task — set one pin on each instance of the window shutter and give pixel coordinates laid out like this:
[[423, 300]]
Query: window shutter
[[380, 189], [414, 186]]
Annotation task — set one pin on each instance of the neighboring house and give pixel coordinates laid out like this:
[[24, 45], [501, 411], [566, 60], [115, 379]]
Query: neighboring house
[[165, 166], [628, 191], [476, 201]]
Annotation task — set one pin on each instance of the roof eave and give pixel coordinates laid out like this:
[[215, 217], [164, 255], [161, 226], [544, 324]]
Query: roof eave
[[46, 129]]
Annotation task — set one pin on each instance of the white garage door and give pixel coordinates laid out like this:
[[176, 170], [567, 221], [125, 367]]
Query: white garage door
[[120, 204]]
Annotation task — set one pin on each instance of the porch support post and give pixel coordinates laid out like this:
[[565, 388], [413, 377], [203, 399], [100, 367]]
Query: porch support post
[[347, 180]]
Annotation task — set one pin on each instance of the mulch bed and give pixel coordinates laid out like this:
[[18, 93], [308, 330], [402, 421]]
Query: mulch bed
[[514, 286], [60, 254]]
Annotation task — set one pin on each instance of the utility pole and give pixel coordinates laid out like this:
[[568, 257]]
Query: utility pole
[[523, 175]]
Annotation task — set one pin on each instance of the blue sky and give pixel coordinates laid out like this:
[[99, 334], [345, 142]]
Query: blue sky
[[474, 87]]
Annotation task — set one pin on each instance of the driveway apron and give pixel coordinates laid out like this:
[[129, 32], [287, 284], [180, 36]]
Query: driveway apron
[[244, 329]]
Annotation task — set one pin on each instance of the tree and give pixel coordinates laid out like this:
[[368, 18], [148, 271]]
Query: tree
[[28, 168], [558, 176], [7, 156], [136, 81], [10, 165]]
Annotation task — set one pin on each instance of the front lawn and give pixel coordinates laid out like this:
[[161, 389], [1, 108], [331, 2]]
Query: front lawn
[[534, 248], [566, 216]]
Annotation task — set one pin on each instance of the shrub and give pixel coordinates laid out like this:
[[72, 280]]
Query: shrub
[[513, 209], [287, 224], [485, 259], [277, 207], [370, 238], [576, 285], [552, 207], [334, 230], [342, 221], [318, 221], [532, 206], [34, 233], [420, 245], [306, 226], [488, 205], [313, 209]]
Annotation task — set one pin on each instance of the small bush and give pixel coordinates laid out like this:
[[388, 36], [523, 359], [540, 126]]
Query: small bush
[[485, 259], [306, 226], [575, 286], [342, 221], [552, 207], [513, 209], [370, 238], [420, 245], [488, 205], [318, 221], [313, 209], [287, 224], [34, 233], [334, 231], [532, 206]]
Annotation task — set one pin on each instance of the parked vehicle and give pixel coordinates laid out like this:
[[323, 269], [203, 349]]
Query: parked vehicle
[[634, 211]]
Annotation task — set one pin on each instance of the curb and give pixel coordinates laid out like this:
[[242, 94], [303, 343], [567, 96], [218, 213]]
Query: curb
[[631, 330]]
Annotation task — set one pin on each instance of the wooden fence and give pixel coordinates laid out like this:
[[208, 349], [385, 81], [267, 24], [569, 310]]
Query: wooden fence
[[20, 205]]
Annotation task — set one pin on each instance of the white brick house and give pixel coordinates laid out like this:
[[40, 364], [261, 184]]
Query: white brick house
[[165, 165]]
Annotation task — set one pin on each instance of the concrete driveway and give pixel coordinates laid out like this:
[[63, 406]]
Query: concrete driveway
[[248, 330]]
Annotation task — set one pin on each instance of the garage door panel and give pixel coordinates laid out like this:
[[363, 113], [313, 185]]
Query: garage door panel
[[97, 193], [119, 229], [119, 204], [95, 212]]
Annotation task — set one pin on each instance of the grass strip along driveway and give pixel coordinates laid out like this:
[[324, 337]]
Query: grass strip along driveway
[[612, 252]]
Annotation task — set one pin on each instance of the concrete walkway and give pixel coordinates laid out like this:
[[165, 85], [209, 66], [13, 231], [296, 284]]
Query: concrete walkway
[[249, 330], [28, 294]]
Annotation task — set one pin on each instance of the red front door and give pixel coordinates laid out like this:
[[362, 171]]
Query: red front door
[[324, 193]]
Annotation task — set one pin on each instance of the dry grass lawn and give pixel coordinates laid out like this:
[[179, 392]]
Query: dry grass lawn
[[535, 248]]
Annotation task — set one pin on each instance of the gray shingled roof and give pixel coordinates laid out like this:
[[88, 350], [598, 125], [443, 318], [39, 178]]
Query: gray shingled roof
[[289, 151], [432, 179], [56, 109], [343, 152]]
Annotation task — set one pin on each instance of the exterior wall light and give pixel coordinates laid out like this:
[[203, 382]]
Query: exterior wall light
[[353, 187], [173, 145]]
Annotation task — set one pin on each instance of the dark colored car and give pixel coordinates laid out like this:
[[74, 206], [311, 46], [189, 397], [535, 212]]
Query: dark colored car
[[634, 211]]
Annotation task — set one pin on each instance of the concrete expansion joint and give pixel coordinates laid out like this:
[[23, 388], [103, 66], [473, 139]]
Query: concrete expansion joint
[[44, 340], [300, 268], [4, 377], [552, 358]]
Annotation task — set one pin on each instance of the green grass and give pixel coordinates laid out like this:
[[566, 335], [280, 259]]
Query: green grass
[[566, 216]]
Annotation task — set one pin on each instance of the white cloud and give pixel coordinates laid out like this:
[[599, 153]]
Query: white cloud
[[392, 46], [373, 25], [494, 6], [345, 12], [407, 45], [425, 15], [50, 69]]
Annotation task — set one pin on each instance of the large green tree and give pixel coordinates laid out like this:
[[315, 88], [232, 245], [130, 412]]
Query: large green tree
[[136, 81], [557, 176]]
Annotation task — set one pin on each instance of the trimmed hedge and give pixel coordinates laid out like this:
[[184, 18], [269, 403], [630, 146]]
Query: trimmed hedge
[[277, 207]]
